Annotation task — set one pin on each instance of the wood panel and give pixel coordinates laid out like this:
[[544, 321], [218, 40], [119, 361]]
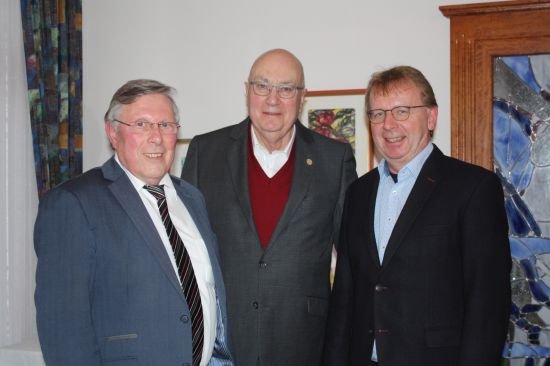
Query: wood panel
[[479, 33]]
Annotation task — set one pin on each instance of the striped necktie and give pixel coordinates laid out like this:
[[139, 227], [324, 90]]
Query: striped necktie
[[185, 272]]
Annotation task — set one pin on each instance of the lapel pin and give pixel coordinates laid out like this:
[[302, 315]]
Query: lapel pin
[[309, 161]]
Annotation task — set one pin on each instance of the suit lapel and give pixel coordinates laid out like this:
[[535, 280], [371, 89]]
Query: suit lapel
[[237, 163], [372, 248], [426, 182], [201, 222], [124, 192], [304, 165]]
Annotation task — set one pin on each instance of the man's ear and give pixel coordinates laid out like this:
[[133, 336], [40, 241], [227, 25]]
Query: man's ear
[[302, 102], [112, 134], [432, 118]]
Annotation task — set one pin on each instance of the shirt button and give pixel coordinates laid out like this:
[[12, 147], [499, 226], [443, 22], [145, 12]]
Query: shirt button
[[184, 318], [255, 305]]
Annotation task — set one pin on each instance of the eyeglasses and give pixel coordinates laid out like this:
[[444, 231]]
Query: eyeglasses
[[284, 91], [399, 113], [143, 126]]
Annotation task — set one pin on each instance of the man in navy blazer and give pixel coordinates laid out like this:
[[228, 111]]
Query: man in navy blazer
[[107, 287], [422, 277]]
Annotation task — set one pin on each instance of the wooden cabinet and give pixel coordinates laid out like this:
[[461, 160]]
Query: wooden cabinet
[[479, 33]]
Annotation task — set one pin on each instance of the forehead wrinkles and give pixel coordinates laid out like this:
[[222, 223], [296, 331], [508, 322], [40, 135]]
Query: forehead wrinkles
[[278, 69]]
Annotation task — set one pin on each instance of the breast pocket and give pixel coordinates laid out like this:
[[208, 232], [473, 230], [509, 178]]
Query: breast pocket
[[432, 230]]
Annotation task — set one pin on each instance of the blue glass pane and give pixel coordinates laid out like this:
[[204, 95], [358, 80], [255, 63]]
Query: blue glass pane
[[512, 144], [522, 67], [521, 127]]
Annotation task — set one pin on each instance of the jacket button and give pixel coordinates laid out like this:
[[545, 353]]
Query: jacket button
[[184, 318], [255, 305], [263, 264], [380, 288]]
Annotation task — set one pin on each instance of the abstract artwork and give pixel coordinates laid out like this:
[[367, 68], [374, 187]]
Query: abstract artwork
[[521, 147], [340, 115]]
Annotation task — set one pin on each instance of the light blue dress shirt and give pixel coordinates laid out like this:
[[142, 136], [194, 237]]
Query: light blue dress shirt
[[390, 199]]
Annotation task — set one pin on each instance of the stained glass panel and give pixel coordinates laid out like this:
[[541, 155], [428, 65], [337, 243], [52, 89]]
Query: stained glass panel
[[521, 137]]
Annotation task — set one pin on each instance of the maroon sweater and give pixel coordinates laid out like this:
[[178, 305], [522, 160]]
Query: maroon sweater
[[268, 196]]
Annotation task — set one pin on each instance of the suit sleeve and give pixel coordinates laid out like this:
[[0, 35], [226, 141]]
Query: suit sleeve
[[487, 264], [64, 280], [338, 332], [348, 174], [189, 172]]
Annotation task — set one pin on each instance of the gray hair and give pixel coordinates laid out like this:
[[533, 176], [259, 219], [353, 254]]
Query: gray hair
[[133, 89]]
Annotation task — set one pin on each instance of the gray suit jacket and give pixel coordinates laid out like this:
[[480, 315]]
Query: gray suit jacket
[[277, 298], [105, 288]]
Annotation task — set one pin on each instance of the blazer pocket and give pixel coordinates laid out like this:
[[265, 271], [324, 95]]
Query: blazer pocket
[[121, 337], [442, 336], [120, 349], [125, 362], [317, 306]]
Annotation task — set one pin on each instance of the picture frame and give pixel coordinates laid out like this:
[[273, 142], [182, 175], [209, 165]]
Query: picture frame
[[333, 112], [179, 156]]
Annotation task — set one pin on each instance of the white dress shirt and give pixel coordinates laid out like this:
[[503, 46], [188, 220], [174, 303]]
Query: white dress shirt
[[195, 246], [272, 162]]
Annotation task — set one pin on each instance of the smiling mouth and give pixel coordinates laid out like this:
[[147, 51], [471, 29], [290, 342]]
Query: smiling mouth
[[157, 155], [394, 139]]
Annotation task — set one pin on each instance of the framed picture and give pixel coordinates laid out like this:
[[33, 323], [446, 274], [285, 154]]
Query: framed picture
[[179, 156], [340, 114]]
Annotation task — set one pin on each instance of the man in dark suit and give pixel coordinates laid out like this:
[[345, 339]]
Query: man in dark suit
[[274, 191], [128, 268], [422, 277]]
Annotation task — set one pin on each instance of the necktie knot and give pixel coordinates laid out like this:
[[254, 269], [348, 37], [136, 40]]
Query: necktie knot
[[156, 191]]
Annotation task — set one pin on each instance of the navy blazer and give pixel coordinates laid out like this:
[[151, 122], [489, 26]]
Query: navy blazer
[[105, 288], [441, 296]]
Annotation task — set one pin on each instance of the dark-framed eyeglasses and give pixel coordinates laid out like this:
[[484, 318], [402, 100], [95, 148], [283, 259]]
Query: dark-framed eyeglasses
[[285, 91], [143, 126], [399, 113]]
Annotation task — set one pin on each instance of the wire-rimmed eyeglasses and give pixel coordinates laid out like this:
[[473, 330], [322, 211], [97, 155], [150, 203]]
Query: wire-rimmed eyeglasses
[[399, 113], [285, 91], [142, 126]]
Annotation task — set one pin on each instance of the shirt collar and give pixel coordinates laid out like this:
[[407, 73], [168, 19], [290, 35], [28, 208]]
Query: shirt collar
[[412, 168], [138, 183], [257, 145]]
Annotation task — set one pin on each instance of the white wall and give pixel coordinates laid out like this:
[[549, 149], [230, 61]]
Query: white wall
[[205, 49]]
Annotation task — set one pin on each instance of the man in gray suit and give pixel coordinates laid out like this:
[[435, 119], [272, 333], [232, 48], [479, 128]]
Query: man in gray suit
[[274, 191], [128, 269]]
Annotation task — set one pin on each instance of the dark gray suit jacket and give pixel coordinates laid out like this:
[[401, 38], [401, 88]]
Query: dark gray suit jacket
[[441, 296], [105, 288], [277, 298]]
